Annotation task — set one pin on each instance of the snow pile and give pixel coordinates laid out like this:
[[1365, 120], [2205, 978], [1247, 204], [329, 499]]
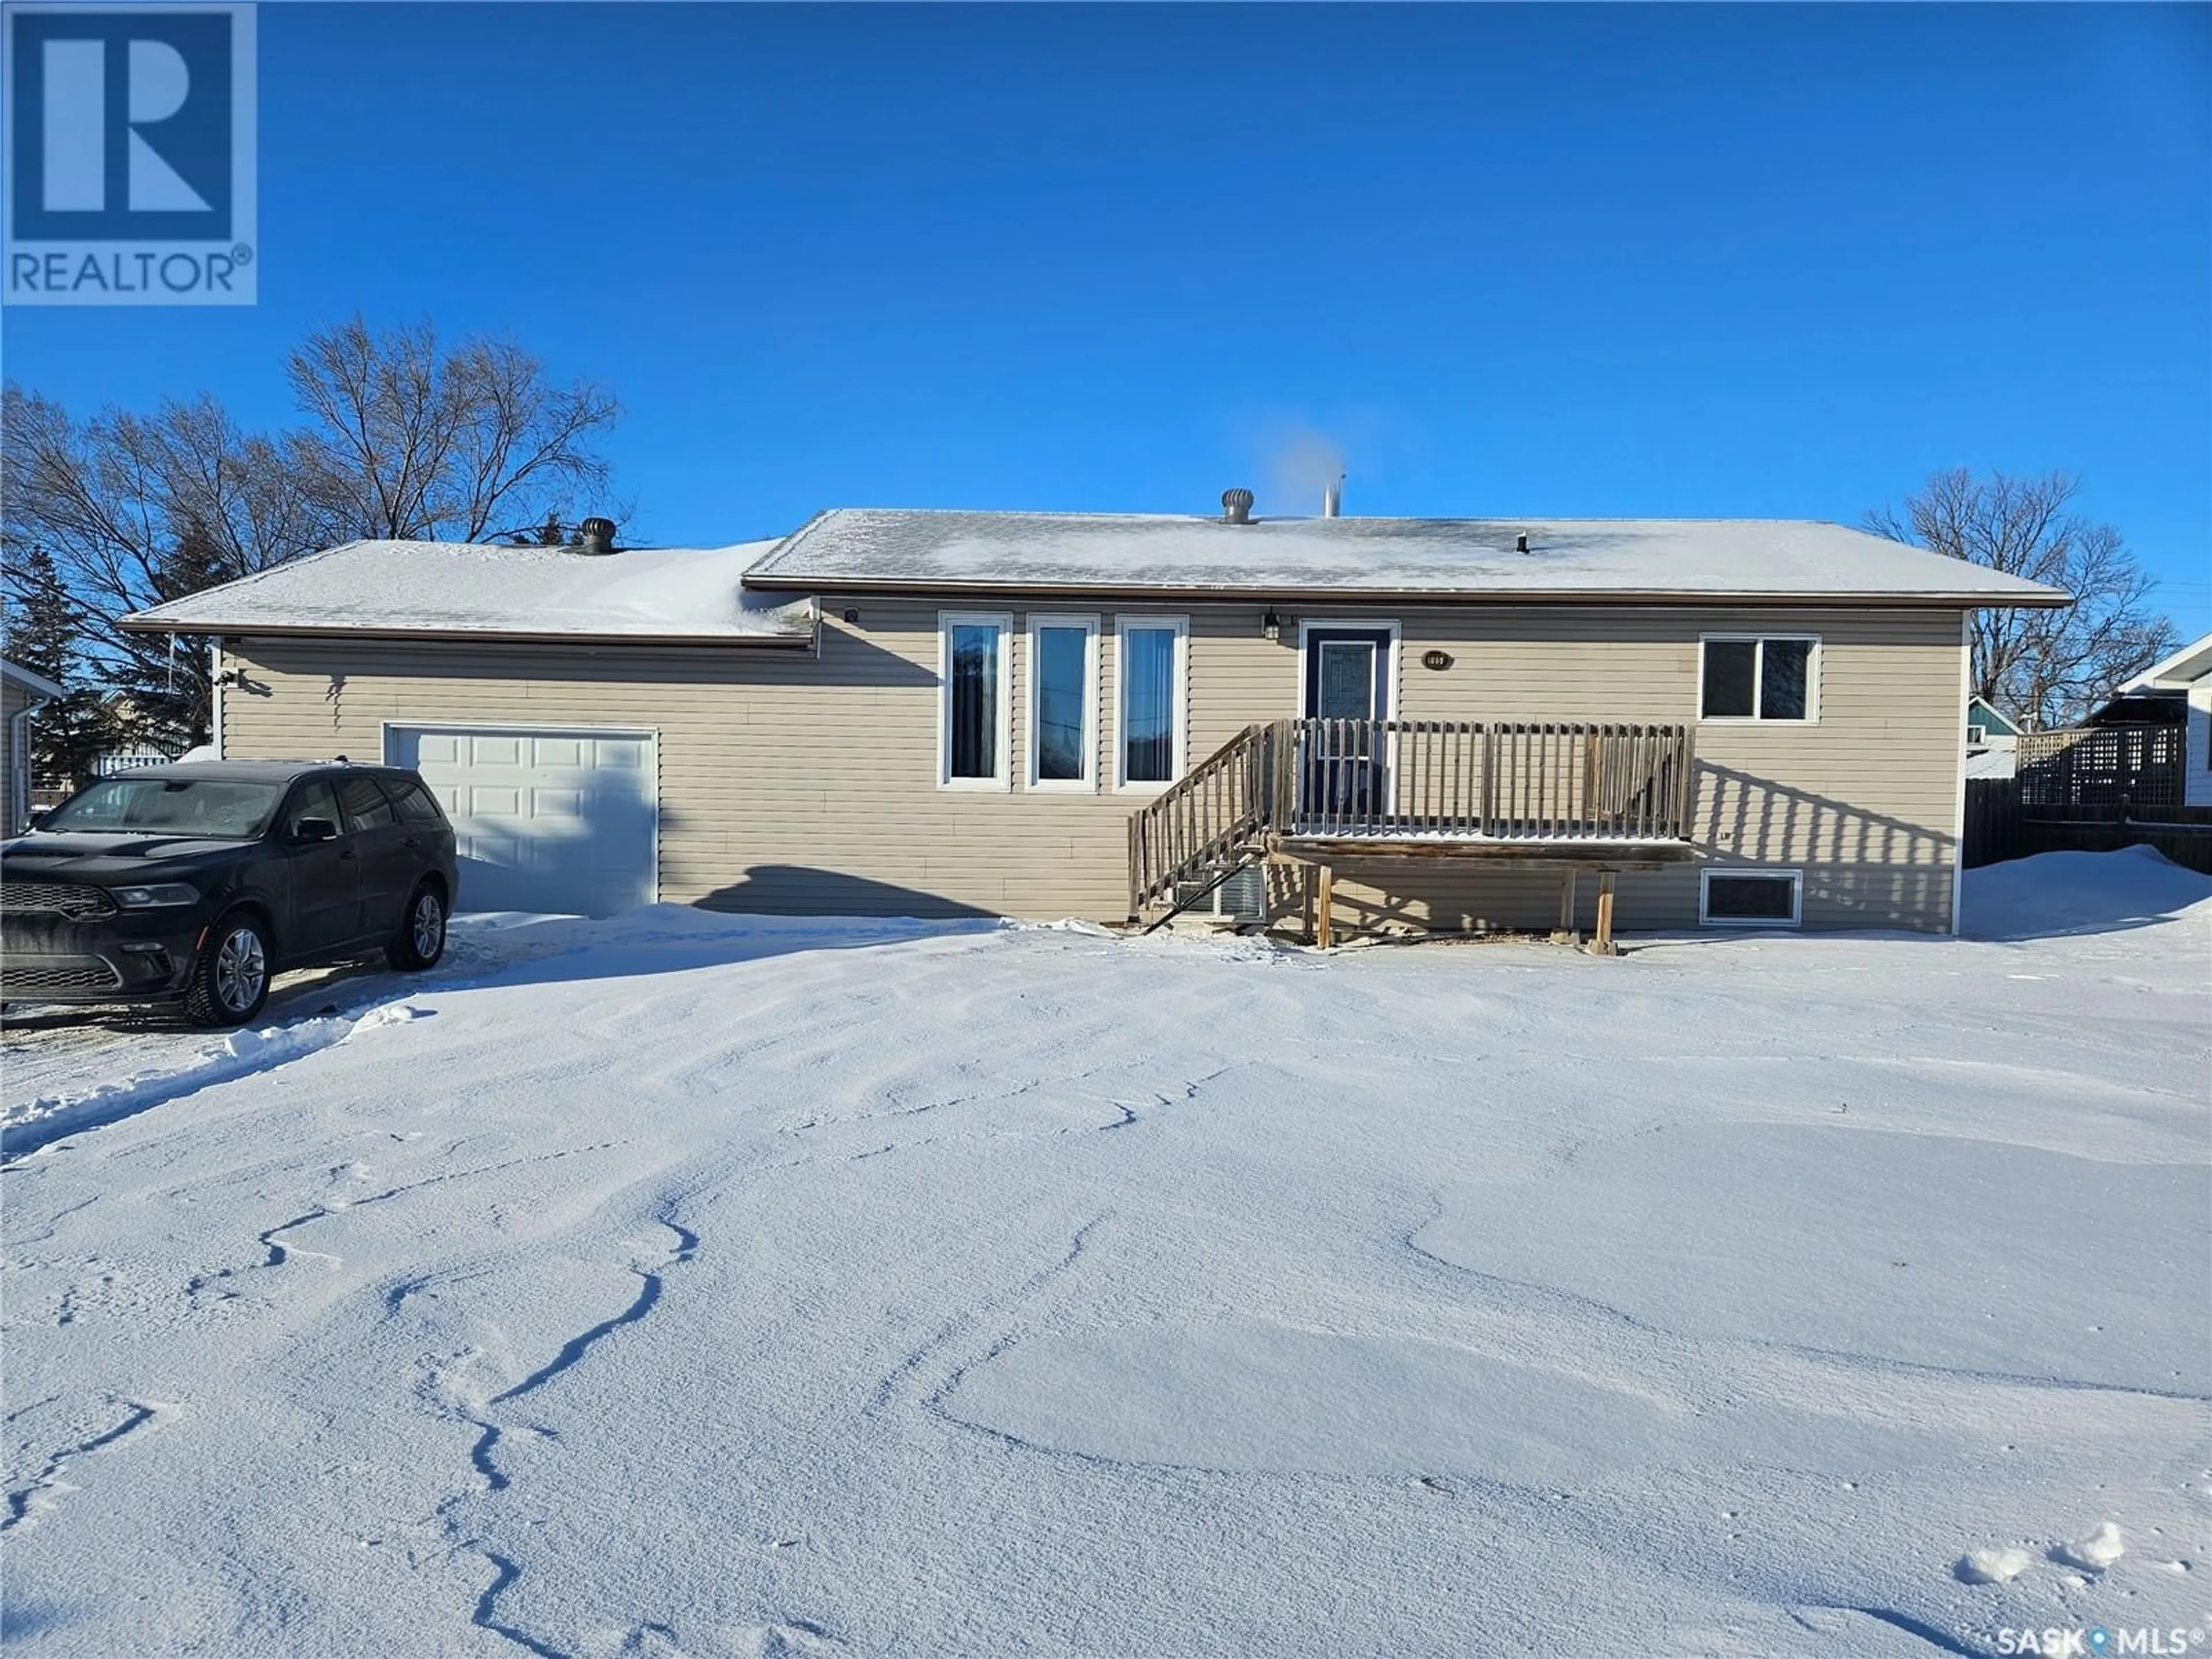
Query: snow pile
[[27, 1126], [2096, 1552], [1994, 1566], [712, 1286], [2082, 893]]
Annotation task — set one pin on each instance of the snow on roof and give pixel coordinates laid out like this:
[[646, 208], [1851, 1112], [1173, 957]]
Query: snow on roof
[[463, 588], [37, 684], [2184, 668], [1474, 558]]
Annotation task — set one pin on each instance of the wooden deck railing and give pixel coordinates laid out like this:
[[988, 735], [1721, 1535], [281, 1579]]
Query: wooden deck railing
[[1400, 780], [1210, 813], [1410, 780]]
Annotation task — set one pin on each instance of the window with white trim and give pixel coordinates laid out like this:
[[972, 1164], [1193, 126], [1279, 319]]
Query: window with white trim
[[1063, 672], [1750, 898], [1152, 665], [975, 683], [1757, 676]]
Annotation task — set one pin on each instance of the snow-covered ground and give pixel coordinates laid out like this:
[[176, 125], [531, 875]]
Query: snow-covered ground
[[691, 1284]]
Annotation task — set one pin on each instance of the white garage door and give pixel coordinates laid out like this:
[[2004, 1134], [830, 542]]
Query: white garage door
[[561, 821]]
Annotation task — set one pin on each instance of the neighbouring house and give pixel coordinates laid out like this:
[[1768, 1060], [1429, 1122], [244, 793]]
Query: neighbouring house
[[1395, 723], [1991, 740], [2183, 683], [21, 693]]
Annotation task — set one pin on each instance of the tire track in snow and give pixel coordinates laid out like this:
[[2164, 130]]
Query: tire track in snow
[[483, 1461], [1534, 1297], [1935, 1637], [278, 1254], [36, 1125], [887, 1391], [22, 1502]]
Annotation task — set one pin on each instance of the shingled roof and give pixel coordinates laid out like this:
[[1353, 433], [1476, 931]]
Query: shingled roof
[[1658, 560], [475, 590]]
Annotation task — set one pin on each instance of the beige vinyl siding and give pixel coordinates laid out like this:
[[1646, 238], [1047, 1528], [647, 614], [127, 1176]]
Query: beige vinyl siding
[[792, 783]]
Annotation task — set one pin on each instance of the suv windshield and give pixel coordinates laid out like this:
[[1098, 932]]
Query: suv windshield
[[223, 809]]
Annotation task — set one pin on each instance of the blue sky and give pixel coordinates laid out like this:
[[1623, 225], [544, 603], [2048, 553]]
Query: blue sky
[[1559, 260]]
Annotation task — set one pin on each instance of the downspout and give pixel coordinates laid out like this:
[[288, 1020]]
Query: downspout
[[1958, 813], [19, 768], [215, 696]]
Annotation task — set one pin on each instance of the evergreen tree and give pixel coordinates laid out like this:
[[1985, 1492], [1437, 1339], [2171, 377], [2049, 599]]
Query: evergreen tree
[[44, 633]]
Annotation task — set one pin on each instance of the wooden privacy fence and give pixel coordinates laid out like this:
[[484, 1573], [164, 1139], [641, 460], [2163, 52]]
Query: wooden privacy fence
[[2001, 826], [2142, 767]]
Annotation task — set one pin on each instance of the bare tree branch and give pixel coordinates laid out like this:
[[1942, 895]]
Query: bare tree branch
[[435, 444], [2046, 667]]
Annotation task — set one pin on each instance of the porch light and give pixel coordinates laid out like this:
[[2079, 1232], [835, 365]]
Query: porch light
[[1272, 626]]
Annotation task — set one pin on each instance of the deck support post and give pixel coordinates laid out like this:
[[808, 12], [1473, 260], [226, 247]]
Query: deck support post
[[1565, 933], [1324, 896], [1602, 943]]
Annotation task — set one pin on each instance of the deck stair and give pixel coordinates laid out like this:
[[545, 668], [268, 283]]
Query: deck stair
[[1603, 794]]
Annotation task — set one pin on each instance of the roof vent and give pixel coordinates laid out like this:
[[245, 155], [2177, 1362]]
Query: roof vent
[[1332, 498], [596, 537], [1521, 543], [1236, 506]]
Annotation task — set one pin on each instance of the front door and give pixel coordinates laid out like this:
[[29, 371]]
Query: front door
[[1347, 689]]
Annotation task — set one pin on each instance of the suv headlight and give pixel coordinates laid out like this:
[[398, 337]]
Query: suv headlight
[[146, 898]]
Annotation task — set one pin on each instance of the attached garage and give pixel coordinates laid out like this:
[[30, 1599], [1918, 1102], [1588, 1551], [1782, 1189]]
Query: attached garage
[[551, 820], [577, 710]]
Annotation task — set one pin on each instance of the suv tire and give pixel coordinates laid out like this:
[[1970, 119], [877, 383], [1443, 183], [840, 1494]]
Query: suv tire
[[421, 940], [230, 980]]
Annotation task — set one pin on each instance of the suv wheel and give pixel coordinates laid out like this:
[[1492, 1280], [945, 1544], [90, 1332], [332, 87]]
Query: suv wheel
[[422, 937], [230, 981]]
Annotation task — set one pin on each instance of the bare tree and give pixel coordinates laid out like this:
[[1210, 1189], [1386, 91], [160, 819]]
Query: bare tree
[[426, 443], [130, 511], [2046, 667], [404, 439]]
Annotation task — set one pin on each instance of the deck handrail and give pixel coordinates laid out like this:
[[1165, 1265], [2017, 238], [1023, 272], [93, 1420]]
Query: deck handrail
[[1494, 781], [1205, 814], [1412, 781]]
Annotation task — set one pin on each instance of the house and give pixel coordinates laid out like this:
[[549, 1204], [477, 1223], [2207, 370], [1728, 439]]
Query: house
[[20, 692], [1987, 727], [1386, 723], [1991, 740], [2183, 683]]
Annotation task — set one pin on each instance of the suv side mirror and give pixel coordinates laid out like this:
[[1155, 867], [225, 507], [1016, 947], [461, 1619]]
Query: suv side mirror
[[314, 829]]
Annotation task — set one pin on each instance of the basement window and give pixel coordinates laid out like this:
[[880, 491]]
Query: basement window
[[1751, 898], [1746, 677], [974, 717]]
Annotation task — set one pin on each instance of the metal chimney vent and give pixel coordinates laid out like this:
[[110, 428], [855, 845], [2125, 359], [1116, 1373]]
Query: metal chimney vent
[[1332, 499], [596, 537], [1236, 506]]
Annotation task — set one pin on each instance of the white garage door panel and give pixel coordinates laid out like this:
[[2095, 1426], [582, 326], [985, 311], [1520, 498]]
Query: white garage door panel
[[563, 822]]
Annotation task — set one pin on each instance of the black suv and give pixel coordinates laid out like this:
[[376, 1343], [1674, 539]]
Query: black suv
[[194, 883]]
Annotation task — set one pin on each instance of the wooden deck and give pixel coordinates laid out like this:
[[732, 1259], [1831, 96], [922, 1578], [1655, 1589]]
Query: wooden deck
[[1599, 797]]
